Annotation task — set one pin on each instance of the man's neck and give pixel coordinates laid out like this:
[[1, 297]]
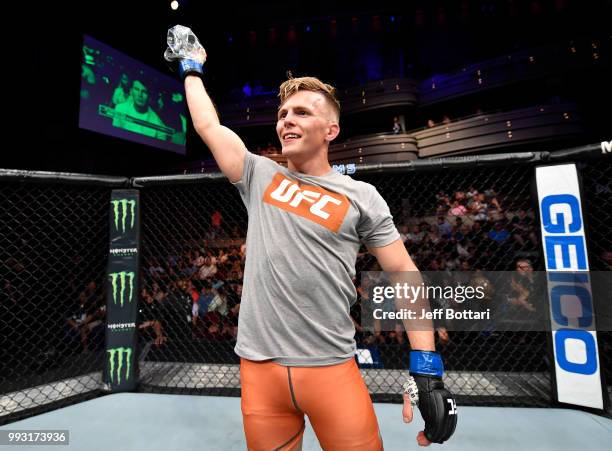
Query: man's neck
[[316, 166]]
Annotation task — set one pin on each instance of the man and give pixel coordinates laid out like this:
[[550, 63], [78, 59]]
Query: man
[[306, 225], [524, 286], [136, 115]]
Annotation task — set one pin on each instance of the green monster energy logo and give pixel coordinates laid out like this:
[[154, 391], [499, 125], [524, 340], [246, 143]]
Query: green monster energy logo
[[124, 212], [118, 281], [122, 354]]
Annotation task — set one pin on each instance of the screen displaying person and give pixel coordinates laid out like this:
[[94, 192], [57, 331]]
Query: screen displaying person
[[136, 114]]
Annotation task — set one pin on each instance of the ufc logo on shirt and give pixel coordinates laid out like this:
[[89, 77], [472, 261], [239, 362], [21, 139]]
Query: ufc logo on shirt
[[453, 407], [311, 202]]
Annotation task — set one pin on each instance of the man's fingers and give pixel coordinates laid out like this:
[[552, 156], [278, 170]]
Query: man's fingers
[[422, 440], [407, 410]]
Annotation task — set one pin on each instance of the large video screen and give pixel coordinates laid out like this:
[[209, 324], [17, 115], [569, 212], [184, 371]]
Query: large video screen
[[123, 97]]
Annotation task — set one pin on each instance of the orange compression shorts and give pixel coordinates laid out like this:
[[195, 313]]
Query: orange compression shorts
[[335, 398]]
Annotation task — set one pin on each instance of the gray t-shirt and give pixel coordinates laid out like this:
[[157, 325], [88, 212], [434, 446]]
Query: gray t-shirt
[[303, 237]]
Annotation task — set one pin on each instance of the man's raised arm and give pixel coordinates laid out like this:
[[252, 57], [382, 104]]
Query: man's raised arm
[[225, 145], [229, 151]]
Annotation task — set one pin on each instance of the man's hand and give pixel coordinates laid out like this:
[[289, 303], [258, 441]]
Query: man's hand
[[186, 50], [436, 404]]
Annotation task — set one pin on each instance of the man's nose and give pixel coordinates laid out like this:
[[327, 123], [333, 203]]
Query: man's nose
[[290, 118]]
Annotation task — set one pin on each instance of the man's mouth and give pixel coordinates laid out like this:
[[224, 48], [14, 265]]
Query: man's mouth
[[289, 137]]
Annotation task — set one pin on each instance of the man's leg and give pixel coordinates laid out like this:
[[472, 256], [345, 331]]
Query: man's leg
[[270, 417], [338, 405]]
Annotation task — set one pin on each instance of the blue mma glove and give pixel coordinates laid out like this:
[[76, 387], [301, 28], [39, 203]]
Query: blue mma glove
[[426, 389]]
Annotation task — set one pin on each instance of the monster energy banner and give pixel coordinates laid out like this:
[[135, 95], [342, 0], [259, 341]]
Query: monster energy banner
[[122, 291]]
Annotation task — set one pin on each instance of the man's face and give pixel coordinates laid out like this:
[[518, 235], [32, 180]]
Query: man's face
[[305, 124], [140, 94]]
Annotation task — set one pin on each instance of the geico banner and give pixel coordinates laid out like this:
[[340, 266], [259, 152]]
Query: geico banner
[[577, 368]]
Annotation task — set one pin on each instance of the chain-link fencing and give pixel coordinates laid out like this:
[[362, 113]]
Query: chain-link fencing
[[461, 214], [53, 247], [473, 214], [597, 190]]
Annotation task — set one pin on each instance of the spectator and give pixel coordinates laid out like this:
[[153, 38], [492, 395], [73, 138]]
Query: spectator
[[397, 126], [208, 269], [523, 230], [443, 203], [148, 319], [177, 311], [216, 219], [462, 249], [491, 198], [205, 299], [271, 149], [86, 316], [230, 320], [433, 238], [499, 234], [198, 259], [457, 209], [219, 302], [430, 123], [416, 235], [460, 196], [157, 293], [479, 208], [476, 232], [525, 294], [444, 228], [156, 270]]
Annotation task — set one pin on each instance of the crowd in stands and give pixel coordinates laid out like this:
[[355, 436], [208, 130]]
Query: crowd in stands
[[467, 231], [196, 295]]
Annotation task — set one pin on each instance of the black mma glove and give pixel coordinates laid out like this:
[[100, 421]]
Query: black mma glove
[[426, 389]]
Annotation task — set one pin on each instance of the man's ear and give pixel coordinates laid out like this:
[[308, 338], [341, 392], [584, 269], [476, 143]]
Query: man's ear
[[333, 130]]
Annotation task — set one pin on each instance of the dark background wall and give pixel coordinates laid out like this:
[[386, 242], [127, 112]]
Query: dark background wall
[[346, 45]]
